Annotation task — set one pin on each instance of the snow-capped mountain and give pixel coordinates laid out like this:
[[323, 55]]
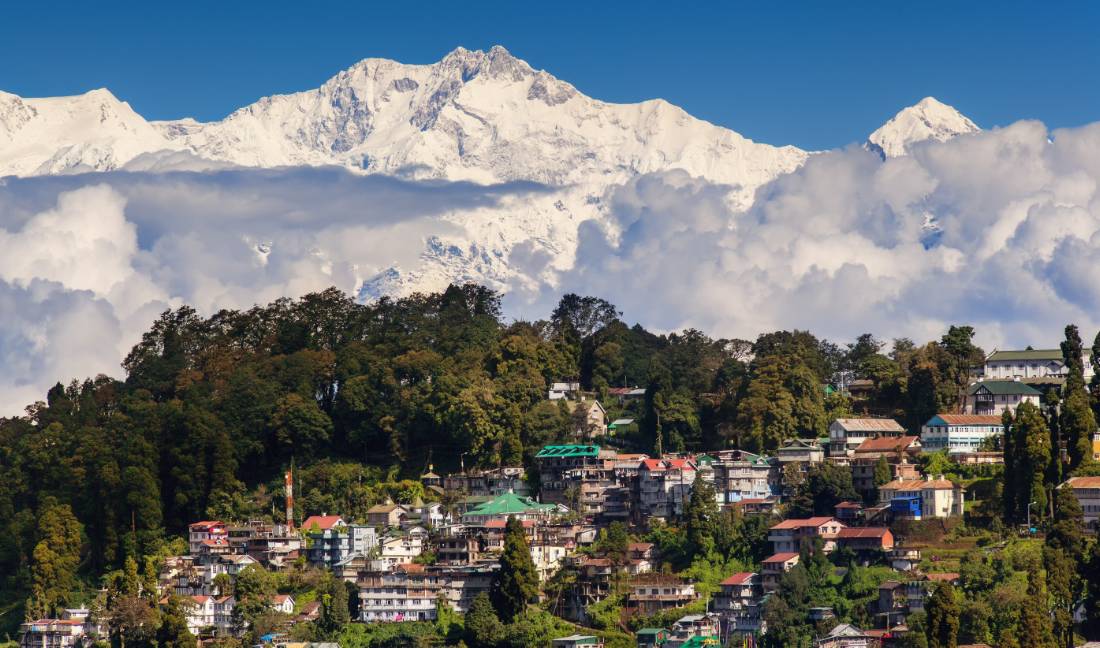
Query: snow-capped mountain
[[485, 117], [89, 132], [929, 119]]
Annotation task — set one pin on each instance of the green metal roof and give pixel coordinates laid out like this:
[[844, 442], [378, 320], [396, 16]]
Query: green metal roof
[[651, 631], [508, 504], [569, 451], [1004, 388], [1027, 354]]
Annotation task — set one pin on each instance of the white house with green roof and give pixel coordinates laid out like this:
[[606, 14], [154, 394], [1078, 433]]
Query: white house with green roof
[[502, 507], [993, 397], [1029, 363]]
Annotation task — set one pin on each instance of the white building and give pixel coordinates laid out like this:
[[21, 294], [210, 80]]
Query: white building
[[208, 614], [959, 433], [399, 547], [1030, 363], [846, 434], [993, 397], [738, 604], [939, 497], [1087, 492], [207, 530]]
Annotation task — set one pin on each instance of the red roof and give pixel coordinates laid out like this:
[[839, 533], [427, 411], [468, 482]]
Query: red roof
[[205, 524], [738, 579], [781, 557], [665, 464], [970, 419], [863, 532], [323, 522], [795, 523], [1084, 482], [887, 444], [848, 505]]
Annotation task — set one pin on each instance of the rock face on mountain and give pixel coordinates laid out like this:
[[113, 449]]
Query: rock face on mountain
[[929, 119], [484, 117]]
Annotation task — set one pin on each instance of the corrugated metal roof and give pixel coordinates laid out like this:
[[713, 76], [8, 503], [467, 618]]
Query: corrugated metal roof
[[966, 419], [870, 425], [1026, 354]]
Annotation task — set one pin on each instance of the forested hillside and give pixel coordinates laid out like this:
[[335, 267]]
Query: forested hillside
[[361, 398]]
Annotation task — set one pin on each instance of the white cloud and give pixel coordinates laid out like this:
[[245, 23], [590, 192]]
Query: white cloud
[[1000, 230]]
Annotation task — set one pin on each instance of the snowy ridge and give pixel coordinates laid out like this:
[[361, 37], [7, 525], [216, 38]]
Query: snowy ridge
[[929, 119], [485, 117]]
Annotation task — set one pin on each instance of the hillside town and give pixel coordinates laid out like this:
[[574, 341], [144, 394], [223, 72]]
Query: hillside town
[[904, 501]]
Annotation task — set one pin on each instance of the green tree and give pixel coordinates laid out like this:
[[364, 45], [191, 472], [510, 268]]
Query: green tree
[[173, 631], [1077, 421], [334, 606], [700, 517], [55, 559], [1027, 456], [516, 583], [483, 628], [942, 613], [825, 486], [1034, 627]]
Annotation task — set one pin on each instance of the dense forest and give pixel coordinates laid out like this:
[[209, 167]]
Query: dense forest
[[361, 398]]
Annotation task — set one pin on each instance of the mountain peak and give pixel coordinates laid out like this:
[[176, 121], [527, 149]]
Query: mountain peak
[[928, 119]]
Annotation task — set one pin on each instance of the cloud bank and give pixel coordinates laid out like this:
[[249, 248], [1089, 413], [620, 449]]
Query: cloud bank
[[1000, 230]]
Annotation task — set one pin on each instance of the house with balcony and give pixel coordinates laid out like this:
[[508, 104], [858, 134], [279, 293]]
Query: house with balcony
[[993, 397], [743, 475], [738, 604], [72, 630], [651, 593], [330, 546]]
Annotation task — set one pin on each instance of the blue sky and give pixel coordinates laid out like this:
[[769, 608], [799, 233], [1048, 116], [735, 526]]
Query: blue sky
[[816, 75]]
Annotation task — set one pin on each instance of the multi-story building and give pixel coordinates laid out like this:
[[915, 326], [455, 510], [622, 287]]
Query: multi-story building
[[773, 567], [211, 615], [866, 542], [509, 505], [739, 475], [71, 630], [804, 452], [787, 536], [330, 546], [386, 515], [651, 593], [737, 603], [1087, 492], [408, 592], [1030, 363], [488, 483], [923, 498], [400, 546], [576, 475], [846, 434], [200, 532], [664, 486], [960, 433], [993, 397]]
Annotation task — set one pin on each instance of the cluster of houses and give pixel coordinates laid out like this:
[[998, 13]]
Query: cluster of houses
[[405, 557]]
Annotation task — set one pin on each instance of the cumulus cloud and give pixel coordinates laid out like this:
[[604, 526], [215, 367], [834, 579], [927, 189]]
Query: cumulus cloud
[[87, 262], [1000, 230]]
